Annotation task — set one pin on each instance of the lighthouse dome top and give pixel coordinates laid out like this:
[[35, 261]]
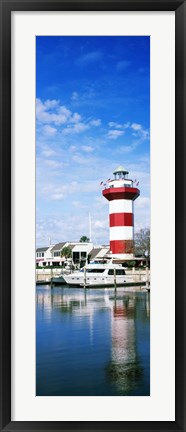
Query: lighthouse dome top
[[120, 170], [120, 173]]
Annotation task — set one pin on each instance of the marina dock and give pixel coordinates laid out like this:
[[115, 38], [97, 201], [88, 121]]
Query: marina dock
[[135, 277]]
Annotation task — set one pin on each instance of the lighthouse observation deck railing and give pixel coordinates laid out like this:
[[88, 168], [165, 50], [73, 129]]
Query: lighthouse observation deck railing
[[109, 186]]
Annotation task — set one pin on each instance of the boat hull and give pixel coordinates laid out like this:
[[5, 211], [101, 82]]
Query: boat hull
[[58, 281], [94, 283]]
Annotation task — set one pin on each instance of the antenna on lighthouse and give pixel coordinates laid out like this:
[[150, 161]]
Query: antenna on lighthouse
[[90, 228]]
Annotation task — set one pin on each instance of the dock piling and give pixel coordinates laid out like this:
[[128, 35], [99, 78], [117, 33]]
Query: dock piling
[[115, 278], [147, 277], [85, 279], [51, 276]]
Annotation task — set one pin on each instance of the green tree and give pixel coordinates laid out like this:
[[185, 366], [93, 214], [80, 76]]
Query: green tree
[[131, 263], [142, 242], [66, 252], [84, 239]]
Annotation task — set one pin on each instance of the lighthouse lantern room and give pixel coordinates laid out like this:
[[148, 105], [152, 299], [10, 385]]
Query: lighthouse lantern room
[[121, 193]]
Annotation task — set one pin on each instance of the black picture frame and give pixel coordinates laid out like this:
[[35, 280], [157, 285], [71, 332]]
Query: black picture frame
[[6, 7]]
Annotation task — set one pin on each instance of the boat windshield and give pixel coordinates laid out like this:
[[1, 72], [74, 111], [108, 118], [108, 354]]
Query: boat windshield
[[119, 272], [95, 270]]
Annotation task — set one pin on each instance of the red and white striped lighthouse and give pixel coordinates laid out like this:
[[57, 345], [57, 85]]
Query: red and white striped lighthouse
[[121, 194]]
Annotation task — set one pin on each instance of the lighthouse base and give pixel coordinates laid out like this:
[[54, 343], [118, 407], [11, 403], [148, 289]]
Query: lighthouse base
[[122, 256]]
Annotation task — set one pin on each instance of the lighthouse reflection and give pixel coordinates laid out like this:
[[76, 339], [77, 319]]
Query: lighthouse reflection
[[92, 342], [124, 368]]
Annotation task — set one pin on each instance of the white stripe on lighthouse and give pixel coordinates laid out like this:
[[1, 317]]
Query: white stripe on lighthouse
[[121, 233], [120, 206]]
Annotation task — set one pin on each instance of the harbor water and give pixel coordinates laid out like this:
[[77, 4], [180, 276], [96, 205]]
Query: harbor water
[[92, 342]]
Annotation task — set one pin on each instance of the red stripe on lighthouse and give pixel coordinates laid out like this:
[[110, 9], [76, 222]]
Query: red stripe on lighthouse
[[122, 246], [121, 219]]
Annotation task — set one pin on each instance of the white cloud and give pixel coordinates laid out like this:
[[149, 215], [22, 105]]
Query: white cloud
[[136, 126], [126, 125], [49, 130], [74, 96], [115, 125], [100, 201], [114, 134], [142, 202], [119, 125], [139, 131], [76, 128], [79, 205], [53, 164], [48, 152], [55, 192], [144, 134], [87, 149], [95, 122], [51, 112], [75, 118], [80, 127], [90, 57], [59, 115], [73, 148], [61, 229], [51, 103], [126, 148], [101, 223], [80, 159], [58, 196]]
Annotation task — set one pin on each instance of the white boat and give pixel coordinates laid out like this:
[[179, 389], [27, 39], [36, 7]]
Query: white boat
[[58, 280], [97, 275]]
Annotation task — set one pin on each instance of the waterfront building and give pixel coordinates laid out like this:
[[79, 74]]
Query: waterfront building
[[81, 253], [57, 260], [99, 254], [50, 255], [43, 256], [121, 193]]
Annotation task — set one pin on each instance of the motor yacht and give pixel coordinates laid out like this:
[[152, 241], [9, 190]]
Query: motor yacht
[[97, 274]]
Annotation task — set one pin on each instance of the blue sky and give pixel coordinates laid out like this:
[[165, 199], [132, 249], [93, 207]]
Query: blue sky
[[92, 114]]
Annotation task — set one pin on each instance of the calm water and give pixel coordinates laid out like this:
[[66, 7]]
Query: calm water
[[92, 342]]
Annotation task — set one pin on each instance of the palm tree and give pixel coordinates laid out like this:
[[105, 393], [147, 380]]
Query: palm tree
[[66, 252]]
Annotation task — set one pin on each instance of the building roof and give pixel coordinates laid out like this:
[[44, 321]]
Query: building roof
[[71, 245], [83, 247], [42, 249], [94, 252], [58, 246], [120, 169], [102, 252]]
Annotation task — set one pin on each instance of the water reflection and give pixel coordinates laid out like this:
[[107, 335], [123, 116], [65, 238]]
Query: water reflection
[[124, 368], [97, 342]]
